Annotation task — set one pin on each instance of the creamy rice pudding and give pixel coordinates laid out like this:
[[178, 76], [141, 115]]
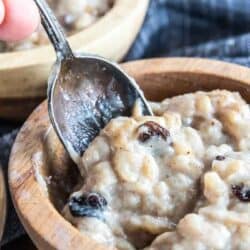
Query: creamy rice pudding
[[176, 180]]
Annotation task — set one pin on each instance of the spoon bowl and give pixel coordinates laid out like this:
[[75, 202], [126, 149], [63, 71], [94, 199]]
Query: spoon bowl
[[85, 92], [84, 95]]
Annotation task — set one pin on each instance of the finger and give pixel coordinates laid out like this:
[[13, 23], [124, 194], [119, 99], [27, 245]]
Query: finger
[[20, 20], [2, 11]]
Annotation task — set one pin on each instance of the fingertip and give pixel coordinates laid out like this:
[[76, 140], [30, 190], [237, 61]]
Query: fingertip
[[20, 20], [2, 11]]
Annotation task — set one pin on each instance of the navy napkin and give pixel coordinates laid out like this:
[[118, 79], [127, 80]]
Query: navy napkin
[[197, 28]]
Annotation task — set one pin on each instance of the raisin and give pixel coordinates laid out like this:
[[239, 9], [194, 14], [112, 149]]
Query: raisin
[[96, 201], [150, 129], [220, 158], [241, 192], [67, 21], [89, 205]]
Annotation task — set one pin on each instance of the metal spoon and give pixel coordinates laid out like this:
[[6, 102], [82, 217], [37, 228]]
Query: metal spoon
[[84, 91]]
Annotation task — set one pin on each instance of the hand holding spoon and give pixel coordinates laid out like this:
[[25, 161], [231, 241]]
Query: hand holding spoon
[[84, 91]]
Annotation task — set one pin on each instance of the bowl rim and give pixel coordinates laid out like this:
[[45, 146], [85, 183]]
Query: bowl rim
[[44, 54], [27, 194], [3, 203]]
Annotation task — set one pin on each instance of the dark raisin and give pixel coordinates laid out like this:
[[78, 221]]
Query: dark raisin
[[67, 21], [241, 192], [151, 129], [90, 205], [96, 201], [220, 158]]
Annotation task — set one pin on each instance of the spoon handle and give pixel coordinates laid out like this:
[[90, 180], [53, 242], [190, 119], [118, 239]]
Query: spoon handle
[[54, 30]]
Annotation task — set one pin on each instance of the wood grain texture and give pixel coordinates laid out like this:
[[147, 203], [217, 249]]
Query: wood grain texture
[[2, 203], [24, 74], [159, 78]]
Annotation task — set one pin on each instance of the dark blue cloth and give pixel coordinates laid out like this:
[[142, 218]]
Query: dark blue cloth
[[217, 29]]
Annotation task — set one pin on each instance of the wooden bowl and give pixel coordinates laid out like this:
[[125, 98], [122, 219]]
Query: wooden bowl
[[23, 74], [2, 204], [159, 78]]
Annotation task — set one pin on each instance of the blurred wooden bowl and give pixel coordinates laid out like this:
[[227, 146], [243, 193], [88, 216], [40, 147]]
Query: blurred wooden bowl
[[159, 78], [2, 203], [23, 74]]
